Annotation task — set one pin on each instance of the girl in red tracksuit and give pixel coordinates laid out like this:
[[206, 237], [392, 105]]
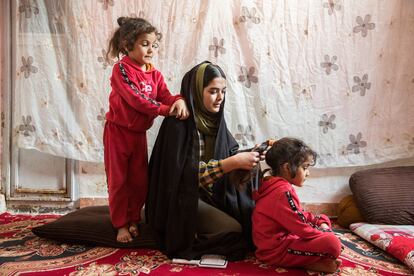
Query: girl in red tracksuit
[[283, 232], [139, 94]]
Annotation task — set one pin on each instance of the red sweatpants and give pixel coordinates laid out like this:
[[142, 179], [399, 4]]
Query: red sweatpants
[[126, 167], [301, 252]]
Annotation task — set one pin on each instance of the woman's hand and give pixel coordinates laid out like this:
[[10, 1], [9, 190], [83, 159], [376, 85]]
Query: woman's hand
[[179, 110], [263, 148], [242, 160]]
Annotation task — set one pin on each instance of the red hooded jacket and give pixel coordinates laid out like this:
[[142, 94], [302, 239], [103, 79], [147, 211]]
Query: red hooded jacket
[[278, 218], [137, 96]]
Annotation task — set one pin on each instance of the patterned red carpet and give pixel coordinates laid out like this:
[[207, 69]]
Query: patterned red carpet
[[22, 253]]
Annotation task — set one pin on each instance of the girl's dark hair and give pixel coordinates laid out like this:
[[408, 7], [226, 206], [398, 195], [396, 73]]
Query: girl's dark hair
[[211, 72], [289, 150], [130, 28]]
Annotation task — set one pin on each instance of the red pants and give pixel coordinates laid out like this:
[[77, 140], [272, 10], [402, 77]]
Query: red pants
[[301, 252], [126, 167]]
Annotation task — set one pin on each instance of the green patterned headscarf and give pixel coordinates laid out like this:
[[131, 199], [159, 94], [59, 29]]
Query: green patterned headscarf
[[205, 120]]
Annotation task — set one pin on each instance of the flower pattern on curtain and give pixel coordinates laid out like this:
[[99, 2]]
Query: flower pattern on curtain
[[337, 74]]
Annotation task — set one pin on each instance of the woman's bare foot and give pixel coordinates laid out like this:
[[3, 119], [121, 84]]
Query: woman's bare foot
[[133, 229], [123, 235], [327, 265]]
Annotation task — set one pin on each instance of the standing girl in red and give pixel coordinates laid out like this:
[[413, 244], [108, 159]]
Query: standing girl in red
[[283, 232], [139, 94]]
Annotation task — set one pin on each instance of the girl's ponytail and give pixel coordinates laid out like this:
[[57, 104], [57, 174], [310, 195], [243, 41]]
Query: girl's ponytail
[[114, 45], [121, 20]]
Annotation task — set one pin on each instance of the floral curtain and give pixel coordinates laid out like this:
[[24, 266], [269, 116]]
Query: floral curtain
[[337, 74]]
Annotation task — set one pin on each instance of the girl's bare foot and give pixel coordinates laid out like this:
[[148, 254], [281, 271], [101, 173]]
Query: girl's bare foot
[[326, 265], [338, 263], [123, 235], [133, 229]]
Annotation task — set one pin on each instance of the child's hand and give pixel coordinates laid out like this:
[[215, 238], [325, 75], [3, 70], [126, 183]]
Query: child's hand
[[324, 226], [179, 110]]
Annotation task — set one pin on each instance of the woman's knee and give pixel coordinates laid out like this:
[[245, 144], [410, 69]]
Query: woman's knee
[[213, 221], [231, 225]]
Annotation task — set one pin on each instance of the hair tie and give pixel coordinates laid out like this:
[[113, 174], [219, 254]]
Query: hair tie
[[271, 142]]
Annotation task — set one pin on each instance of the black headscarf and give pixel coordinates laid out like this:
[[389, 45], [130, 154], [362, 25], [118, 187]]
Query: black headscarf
[[173, 193]]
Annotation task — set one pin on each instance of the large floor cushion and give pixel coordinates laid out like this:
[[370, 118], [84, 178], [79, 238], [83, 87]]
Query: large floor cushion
[[92, 226], [385, 195], [397, 240]]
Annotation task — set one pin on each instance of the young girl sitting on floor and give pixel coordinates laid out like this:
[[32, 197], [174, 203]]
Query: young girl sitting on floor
[[283, 232]]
